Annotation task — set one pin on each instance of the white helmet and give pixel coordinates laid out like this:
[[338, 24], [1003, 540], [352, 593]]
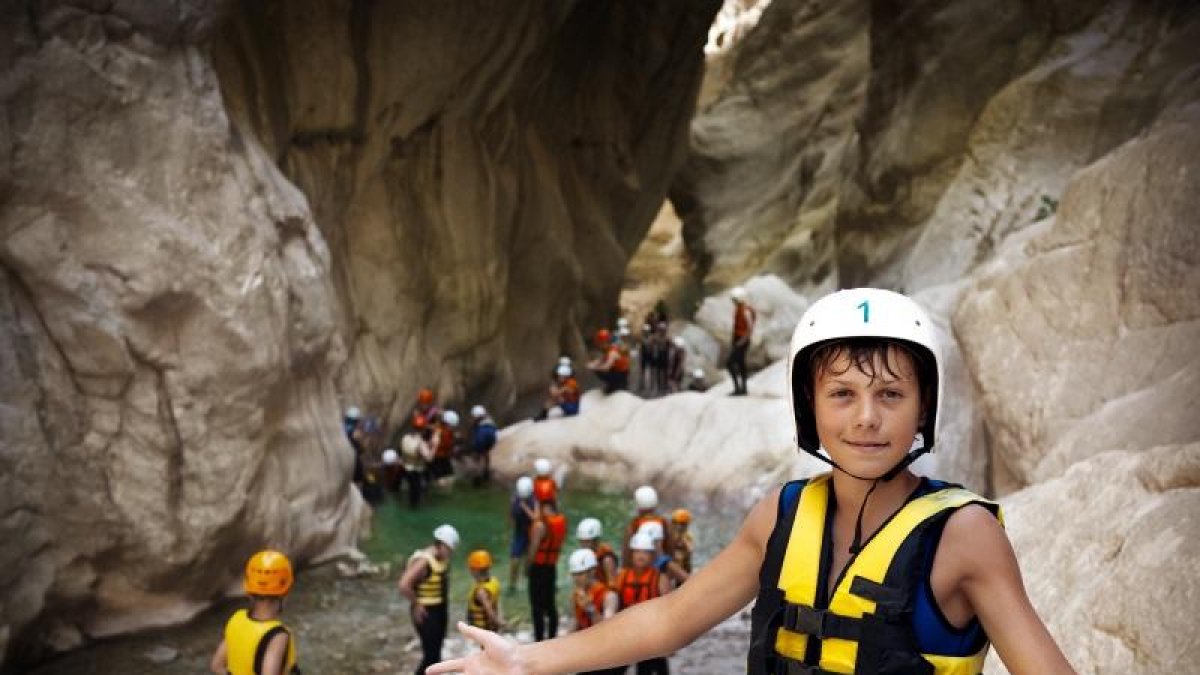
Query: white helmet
[[624, 331], [738, 293], [641, 542], [524, 487], [652, 529], [646, 329], [862, 312], [582, 560], [478, 411], [698, 374], [450, 417], [564, 361], [353, 413], [542, 466], [645, 497], [390, 457], [447, 535], [589, 528], [622, 323], [679, 341], [563, 371]]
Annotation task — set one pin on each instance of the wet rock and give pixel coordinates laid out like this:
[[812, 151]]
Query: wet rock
[[162, 654]]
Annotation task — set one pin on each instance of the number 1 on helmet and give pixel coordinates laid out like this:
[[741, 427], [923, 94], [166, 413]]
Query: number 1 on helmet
[[866, 308]]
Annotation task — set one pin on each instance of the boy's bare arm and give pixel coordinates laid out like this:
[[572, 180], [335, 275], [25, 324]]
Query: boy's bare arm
[[275, 658], [219, 661]]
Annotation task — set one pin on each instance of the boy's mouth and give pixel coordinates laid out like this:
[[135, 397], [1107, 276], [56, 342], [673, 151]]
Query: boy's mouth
[[867, 445]]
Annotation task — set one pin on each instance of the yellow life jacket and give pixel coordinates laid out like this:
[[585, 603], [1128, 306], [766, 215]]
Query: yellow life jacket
[[433, 590], [246, 644], [475, 614], [866, 628]]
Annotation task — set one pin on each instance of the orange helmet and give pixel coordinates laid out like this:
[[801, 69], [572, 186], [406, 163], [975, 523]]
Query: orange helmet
[[268, 573], [544, 490], [419, 422], [681, 516], [425, 397], [479, 560], [603, 337]]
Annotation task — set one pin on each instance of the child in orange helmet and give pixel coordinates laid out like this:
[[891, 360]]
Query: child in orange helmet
[[258, 630], [483, 604]]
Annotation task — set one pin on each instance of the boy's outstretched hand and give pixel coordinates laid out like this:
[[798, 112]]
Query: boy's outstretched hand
[[498, 656]]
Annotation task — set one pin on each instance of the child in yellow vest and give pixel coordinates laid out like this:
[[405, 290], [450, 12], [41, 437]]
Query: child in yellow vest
[[483, 604], [256, 642]]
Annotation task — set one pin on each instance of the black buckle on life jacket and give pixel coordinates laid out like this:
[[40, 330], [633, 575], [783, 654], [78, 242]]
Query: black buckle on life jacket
[[820, 623]]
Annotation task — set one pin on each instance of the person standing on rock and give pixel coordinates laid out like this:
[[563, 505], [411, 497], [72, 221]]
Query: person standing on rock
[[676, 364], [255, 641], [483, 439], [546, 537], [866, 569], [521, 512], [744, 317], [426, 585]]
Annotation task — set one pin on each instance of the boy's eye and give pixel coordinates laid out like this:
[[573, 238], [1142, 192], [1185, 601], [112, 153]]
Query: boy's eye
[[840, 393], [893, 393]]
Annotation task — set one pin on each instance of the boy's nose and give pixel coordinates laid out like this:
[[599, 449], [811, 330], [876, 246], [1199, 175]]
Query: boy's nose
[[867, 416]]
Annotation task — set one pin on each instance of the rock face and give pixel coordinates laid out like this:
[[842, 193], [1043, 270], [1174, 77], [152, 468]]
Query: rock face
[[223, 221], [482, 177]]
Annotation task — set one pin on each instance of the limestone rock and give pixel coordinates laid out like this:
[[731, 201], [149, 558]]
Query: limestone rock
[[1085, 341], [1113, 574]]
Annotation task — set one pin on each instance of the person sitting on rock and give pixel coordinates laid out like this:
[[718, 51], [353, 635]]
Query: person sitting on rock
[[426, 585], [483, 602], [255, 641], [868, 568], [564, 395], [483, 439], [613, 366]]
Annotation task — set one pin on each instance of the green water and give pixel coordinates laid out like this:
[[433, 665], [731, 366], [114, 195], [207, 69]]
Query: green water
[[481, 517]]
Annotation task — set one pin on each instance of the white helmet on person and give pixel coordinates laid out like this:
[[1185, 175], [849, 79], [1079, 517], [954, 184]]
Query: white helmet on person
[[863, 313], [564, 361], [679, 341], [450, 418], [645, 497], [582, 560], [353, 413], [641, 541], [698, 374], [391, 457], [563, 371], [738, 294], [589, 528], [652, 529], [447, 535], [478, 411], [524, 487], [542, 466], [622, 323]]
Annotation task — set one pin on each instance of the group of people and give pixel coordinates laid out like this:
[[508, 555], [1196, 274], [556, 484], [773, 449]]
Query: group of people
[[430, 442], [656, 551]]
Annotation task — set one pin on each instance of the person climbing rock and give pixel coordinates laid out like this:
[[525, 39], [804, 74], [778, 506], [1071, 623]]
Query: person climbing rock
[[483, 602], [744, 317], [521, 512], [613, 365], [645, 498], [483, 439], [594, 601], [445, 447], [426, 585], [255, 640], [546, 537], [641, 582], [588, 534], [676, 364], [416, 455], [868, 568], [682, 542]]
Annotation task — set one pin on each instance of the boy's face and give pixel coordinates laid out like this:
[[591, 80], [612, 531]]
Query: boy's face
[[641, 559], [867, 425], [482, 574], [582, 579]]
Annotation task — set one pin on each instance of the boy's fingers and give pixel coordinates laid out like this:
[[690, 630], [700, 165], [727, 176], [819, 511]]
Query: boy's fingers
[[452, 666]]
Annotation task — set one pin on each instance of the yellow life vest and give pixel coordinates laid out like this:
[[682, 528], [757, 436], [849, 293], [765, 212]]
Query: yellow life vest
[[246, 644], [873, 597], [432, 591], [475, 614]]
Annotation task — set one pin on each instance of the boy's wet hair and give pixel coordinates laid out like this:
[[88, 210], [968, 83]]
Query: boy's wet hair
[[863, 353]]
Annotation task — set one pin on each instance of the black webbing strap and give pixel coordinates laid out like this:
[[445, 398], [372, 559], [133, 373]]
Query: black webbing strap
[[793, 667], [820, 623]]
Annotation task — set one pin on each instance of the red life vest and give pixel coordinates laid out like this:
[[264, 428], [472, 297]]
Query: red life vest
[[445, 446], [596, 595], [634, 587], [743, 318], [621, 363], [569, 393], [552, 540], [545, 485]]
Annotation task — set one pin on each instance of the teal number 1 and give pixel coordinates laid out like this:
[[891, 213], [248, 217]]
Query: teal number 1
[[866, 308]]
